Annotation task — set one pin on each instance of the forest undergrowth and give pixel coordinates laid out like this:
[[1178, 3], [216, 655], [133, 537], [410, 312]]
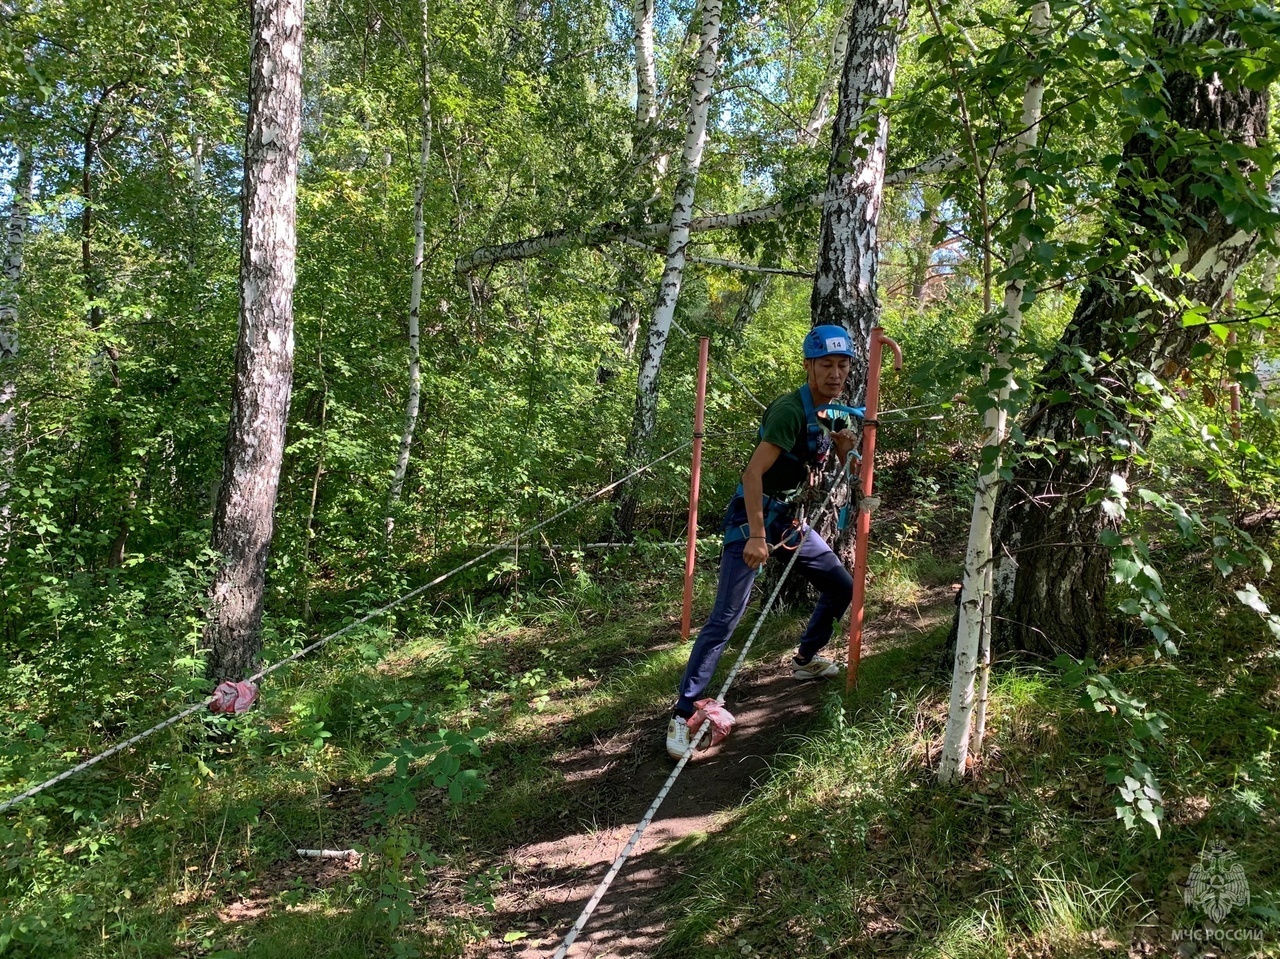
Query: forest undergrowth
[[435, 742]]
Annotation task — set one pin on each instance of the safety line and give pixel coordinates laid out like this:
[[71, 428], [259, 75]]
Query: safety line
[[724, 369], [262, 674], [911, 419], [918, 406], [727, 433], [647, 820]]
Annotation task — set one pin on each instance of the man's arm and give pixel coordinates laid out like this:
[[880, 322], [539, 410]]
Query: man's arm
[[757, 549]]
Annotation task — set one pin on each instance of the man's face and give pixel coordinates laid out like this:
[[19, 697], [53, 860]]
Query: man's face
[[828, 374]]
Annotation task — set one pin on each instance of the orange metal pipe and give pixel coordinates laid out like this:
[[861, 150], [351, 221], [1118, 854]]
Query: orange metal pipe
[[695, 477], [866, 473]]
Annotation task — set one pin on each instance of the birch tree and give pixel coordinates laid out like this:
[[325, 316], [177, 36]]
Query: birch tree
[[646, 69], [243, 520], [973, 633], [1052, 564], [195, 205], [619, 232], [844, 285], [646, 405], [820, 115], [10, 280], [415, 287], [650, 162]]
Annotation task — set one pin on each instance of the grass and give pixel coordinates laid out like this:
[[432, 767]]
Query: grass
[[186, 848], [856, 851]]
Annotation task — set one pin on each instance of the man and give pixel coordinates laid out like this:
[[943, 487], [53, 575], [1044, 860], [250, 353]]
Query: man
[[759, 521]]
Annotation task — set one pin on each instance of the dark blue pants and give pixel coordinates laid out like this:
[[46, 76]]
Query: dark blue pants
[[817, 563]]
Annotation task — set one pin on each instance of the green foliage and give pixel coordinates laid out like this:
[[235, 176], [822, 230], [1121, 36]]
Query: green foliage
[[1136, 724], [436, 716], [1028, 858], [439, 759]]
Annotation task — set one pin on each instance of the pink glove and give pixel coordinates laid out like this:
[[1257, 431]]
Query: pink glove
[[721, 719], [234, 698]]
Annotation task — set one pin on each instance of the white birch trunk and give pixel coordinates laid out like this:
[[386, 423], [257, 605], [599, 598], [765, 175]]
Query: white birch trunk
[[243, 520], [821, 111], [10, 279], [415, 288], [196, 202], [844, 286], [646, 70], [984, 668], [1267, 283], [653, 160], [646, 406], [752, 300], [975, 591], [650, 167]]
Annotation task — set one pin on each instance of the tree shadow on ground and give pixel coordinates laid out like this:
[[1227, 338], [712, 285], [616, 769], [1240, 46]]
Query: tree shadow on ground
[[588, 790], [553, 875]]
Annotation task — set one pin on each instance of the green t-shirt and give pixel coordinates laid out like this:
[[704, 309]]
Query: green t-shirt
[[784, 425]]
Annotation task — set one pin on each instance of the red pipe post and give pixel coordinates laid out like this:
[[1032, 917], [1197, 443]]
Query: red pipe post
[[695, 477], [866, 472]]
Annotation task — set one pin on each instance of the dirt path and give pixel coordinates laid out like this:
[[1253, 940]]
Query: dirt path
[[554, 877]]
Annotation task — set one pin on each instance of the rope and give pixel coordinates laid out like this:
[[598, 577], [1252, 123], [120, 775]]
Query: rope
[[918, 406], [914, 419], [725, 370], [647, 820], [719, 436], [262, 674]]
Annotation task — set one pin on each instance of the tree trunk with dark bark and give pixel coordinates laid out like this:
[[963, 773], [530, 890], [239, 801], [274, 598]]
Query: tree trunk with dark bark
[[844, 286], [243, 519], [1051, 572]]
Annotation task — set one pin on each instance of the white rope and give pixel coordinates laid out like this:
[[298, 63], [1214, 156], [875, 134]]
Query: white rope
[[724, 369], [262, 674], [918, 406], [645, 822], [118, 747]]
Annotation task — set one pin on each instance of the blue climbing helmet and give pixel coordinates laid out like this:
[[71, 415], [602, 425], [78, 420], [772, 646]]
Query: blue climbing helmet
[[828, 340]]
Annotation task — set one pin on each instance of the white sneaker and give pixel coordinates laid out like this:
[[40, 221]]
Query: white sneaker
[[677, 737], [817, 668]]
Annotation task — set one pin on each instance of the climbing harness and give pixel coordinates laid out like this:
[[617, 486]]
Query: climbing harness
[[694, 742], [820, 422]]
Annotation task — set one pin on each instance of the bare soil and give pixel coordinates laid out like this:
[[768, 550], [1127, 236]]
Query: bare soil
[[552, 876]]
